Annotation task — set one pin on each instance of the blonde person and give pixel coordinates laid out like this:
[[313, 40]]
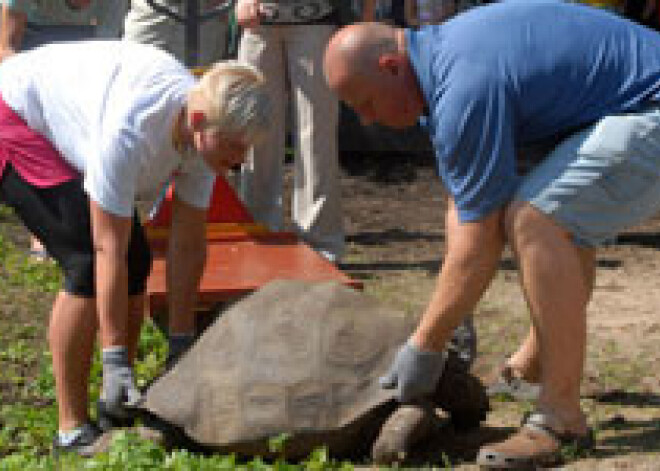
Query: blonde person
[[285, 40], [76, 162], [145, 25], [26, 24]]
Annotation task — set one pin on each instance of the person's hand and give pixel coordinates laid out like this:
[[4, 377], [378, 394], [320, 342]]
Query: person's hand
[[119, 392], [414, 373], [247, 13]]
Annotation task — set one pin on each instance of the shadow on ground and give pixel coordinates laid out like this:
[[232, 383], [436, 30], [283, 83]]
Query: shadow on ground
[[627, 437], [649, 240]]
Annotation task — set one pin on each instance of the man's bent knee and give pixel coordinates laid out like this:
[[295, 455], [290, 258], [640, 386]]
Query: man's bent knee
[[517, 217], [523, 223]]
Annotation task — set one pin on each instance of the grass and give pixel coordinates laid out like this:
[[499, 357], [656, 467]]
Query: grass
[[622, 410], [28, 414]]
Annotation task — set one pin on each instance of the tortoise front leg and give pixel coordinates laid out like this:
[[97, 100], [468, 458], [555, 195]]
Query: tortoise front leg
[[406, 427]]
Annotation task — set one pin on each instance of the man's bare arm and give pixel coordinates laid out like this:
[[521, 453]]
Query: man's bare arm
[[473, 253]]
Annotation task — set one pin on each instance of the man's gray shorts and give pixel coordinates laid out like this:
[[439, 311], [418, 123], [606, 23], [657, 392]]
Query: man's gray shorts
[[601, 180]]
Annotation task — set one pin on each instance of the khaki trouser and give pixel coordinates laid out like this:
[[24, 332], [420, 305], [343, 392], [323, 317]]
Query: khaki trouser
[[144, 25], [291, 58]]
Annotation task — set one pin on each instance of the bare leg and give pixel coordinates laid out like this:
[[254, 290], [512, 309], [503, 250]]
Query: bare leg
[[71, 335], [471, 260], [557, 290], [526, 360]]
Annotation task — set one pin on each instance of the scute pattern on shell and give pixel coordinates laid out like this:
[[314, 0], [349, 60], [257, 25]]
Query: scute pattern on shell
[[294, 357]]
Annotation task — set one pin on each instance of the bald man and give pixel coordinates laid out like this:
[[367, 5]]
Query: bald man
[[577, 81]]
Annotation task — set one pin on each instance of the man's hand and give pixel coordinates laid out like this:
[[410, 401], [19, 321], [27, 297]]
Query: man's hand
[[414, 373], [119, 391], [247, 13]]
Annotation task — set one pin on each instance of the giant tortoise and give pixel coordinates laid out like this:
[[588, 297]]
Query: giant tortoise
[[302, 359]]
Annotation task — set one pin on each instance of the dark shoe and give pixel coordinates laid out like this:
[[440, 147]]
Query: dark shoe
[[107, 421], [506, 382], [90, 442], [535, 445]]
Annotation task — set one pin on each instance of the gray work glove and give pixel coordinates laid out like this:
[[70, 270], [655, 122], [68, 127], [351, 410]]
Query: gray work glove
[[119, 391], [414, 374]]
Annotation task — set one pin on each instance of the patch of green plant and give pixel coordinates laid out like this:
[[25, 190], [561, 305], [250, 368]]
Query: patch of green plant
[[26, 429], [6, 213], [128, 451], [43, 386], [152, 351], [20, 270]]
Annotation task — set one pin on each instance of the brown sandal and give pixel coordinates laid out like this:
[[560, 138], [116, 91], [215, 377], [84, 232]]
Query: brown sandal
[[534, 445]]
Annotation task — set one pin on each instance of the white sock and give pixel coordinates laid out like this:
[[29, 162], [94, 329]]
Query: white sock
[[70, 436]]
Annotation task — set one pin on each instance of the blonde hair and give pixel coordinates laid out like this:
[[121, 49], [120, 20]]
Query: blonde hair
[[233, 99]]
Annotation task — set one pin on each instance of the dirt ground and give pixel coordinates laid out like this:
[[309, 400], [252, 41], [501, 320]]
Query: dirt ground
[[394, 221], [396, 235]]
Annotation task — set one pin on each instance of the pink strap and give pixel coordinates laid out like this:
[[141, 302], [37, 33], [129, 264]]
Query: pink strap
[[31, 154]]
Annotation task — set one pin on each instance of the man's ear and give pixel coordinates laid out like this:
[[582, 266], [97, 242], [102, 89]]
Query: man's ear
[[390, 63]]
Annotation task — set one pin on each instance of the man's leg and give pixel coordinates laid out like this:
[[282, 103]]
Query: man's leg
[[526, 361], [557, 289], [71, 335]]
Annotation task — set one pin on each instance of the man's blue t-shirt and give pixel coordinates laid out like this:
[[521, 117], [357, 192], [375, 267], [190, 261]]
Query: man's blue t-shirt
[[516, 72]]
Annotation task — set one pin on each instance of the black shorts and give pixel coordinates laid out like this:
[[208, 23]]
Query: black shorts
[[59, 217]]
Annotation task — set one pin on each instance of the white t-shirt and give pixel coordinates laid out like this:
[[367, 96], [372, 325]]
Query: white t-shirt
[[108, 107]]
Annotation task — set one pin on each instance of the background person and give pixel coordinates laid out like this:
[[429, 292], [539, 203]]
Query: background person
[[535, 70], [145, 25], [77, 162], [287, 47], [428, 12]]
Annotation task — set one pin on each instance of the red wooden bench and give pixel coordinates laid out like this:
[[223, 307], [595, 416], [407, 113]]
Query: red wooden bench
[[241, 256]]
